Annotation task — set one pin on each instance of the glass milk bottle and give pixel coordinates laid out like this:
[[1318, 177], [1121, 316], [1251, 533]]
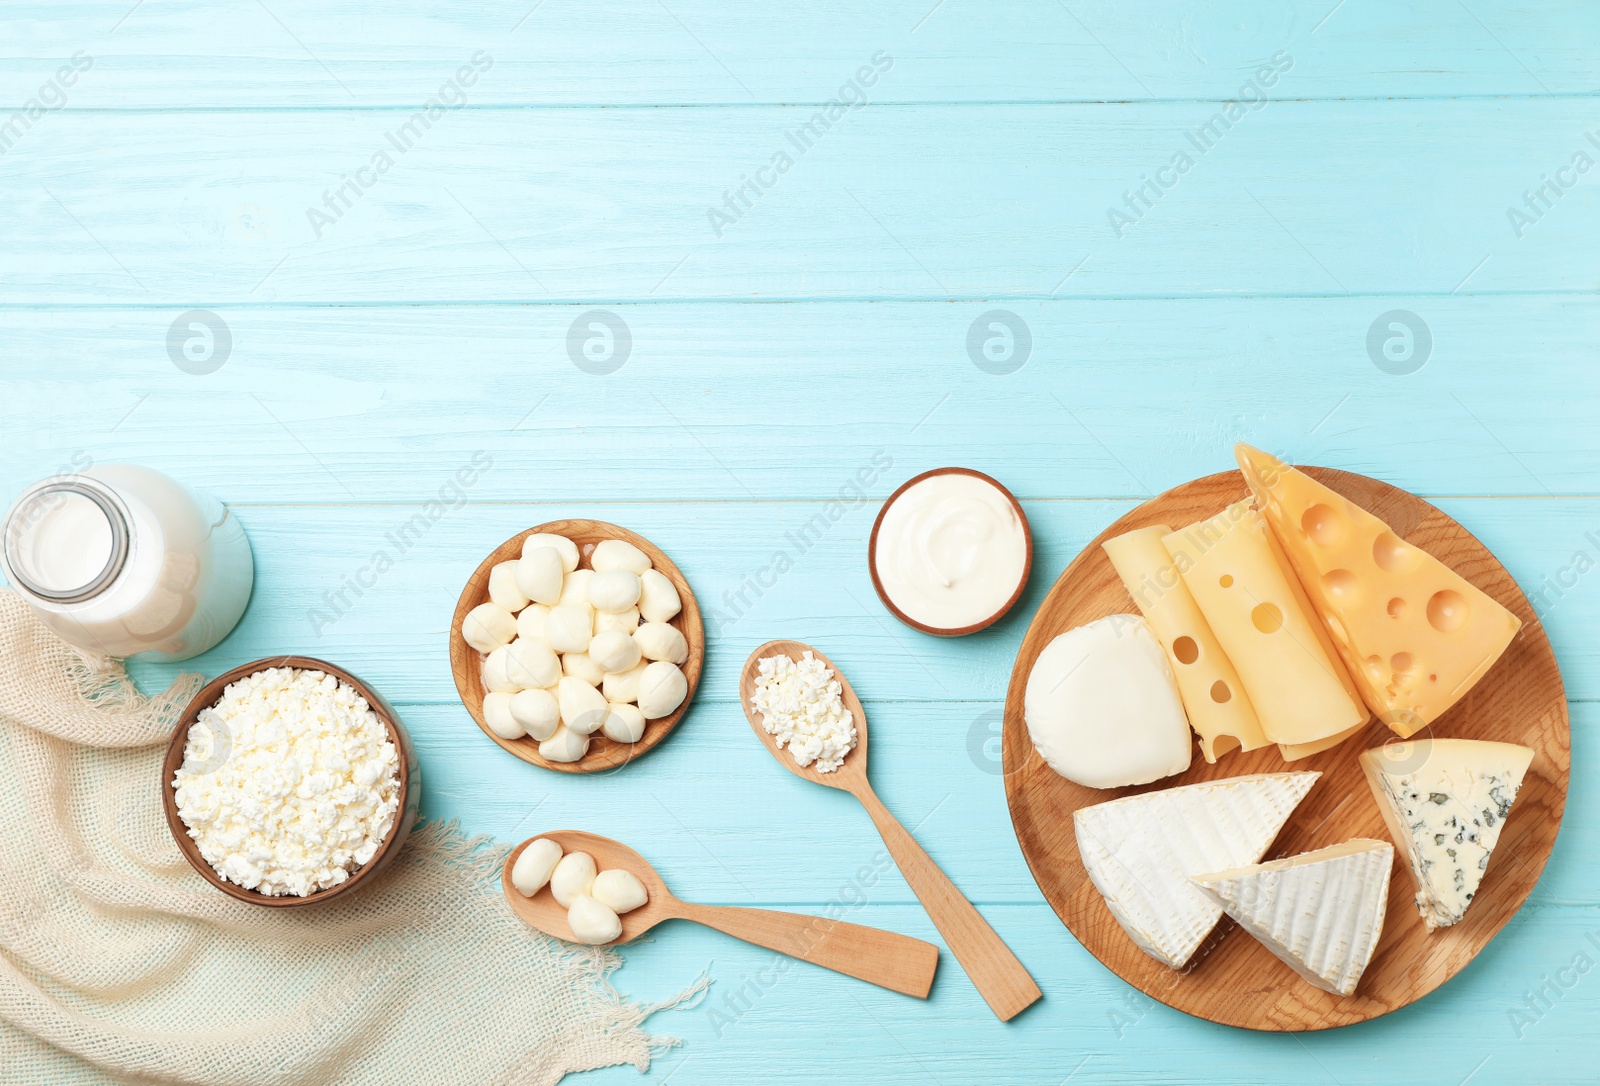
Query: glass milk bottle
[[123, 560]]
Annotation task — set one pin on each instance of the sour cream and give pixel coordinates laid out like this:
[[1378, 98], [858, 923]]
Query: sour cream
[[950, 551]]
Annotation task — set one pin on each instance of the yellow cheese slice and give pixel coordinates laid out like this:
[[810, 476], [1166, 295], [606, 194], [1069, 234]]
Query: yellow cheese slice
[[1254, 606], [1219, 709], [1414, 634], [1293, 752]]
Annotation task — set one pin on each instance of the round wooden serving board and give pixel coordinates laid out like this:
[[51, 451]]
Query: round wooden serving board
[[1233, 979], [466, 662]]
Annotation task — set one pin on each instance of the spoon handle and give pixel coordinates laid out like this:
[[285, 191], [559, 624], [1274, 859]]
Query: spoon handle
[[997, 974], [897, 962]]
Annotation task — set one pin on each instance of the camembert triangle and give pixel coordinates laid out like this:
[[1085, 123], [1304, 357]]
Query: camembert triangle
[[1445, 802], [1140, 850], [1414, 634], [1320, 912]]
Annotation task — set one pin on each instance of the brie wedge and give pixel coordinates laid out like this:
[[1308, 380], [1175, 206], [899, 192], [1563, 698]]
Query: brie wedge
[[1445, 802], [1140, 851], [1320, 912]]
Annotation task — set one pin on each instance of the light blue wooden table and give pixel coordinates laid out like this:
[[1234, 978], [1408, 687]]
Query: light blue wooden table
[[823, 240]]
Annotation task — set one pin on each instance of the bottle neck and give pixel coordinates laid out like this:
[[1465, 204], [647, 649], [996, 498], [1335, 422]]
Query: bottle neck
[[66, 539]]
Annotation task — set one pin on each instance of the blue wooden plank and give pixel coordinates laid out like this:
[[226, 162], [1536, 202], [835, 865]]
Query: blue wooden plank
[[299, 53], [1005, 201], [1115, 398]]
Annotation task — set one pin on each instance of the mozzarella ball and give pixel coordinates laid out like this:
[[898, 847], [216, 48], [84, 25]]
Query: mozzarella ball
[[568, 628], [575, 589], [626, 621], [619, 890], [614, 590], [591, 922], [662, 689], [531, 663], [503, 588], [623, 723], [537, 712], [618, 554], [534, 866], [497, 672], [658, 599], [658, 641], [539, 575], [573, 875], [488, 626], [583, 708], [530, 621], [613, 650], [566, 548], [497, 714], [623, 686], [580, 665], [564, 746]]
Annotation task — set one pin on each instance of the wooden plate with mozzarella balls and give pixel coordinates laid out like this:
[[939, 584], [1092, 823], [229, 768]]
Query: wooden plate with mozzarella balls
[[577, 645]]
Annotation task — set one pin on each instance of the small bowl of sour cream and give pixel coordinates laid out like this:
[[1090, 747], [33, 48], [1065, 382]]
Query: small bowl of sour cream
[[950, 552]]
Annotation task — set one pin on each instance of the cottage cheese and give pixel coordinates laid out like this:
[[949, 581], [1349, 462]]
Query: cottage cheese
[[802, 707], [289, 783]]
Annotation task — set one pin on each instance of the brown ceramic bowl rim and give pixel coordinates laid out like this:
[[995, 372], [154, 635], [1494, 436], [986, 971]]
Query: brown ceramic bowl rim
[[208, 696], [951, 631]]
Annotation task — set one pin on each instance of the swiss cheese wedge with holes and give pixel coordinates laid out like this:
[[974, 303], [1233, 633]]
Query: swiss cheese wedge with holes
[[1255, 606], [1414, 634], [1219, 710]]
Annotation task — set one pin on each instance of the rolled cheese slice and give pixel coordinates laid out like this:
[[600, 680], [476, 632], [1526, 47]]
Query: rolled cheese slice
[[1213, 696], [1260, 614], [1102, 706]]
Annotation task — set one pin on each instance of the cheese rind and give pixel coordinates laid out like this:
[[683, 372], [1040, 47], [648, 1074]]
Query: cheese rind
[[1445, 802], [1254, 606], [1320, 912], [1218, 707], [1102, 706], [1139, 852], [1414, 634]]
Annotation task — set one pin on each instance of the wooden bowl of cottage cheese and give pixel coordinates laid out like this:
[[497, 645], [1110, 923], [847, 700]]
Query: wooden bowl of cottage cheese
[[257, 761]]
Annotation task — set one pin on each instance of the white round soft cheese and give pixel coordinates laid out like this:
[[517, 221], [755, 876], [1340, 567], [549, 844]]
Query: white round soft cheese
[[1102, 706]]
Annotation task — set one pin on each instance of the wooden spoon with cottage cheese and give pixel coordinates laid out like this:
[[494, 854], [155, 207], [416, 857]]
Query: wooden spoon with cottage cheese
[[885, 958], [999, 977]]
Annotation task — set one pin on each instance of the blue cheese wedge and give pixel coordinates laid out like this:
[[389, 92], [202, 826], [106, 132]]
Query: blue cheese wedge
[[1445, 802], [1320, 912], [1141, 850]]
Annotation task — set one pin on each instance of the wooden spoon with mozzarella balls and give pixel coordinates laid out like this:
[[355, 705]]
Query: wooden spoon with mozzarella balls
[[590, 889], [572, 652]]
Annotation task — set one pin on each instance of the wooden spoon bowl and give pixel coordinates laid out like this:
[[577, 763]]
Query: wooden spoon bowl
[[466, 662], [852, 772], [897, 962]]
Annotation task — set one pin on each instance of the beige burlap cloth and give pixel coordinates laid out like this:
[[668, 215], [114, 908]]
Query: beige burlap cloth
[[121, 965]]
